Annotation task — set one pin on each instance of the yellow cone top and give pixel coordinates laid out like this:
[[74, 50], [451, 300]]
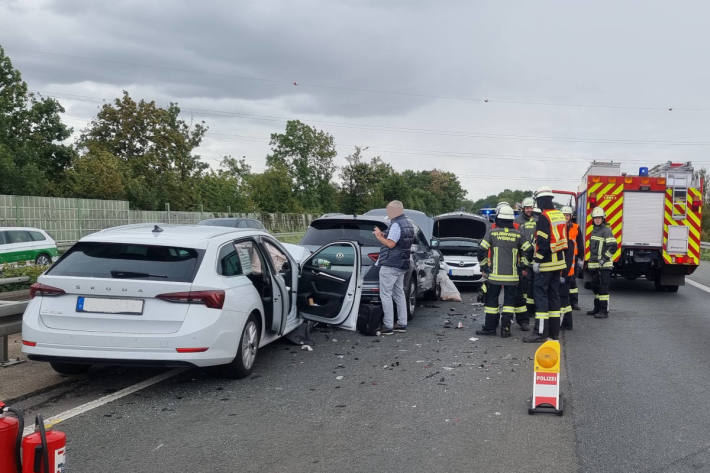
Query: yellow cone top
[[547, 357]]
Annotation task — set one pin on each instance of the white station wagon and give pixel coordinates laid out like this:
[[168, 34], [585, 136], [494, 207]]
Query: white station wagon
[[183, 295]]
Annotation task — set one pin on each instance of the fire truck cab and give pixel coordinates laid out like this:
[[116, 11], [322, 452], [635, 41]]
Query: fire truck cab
[[655, 217]]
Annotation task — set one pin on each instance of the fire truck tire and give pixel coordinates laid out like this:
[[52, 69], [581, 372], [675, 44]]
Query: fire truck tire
[[69, 368]]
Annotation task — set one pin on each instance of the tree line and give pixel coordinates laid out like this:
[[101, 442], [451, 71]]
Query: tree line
[[136, 150]]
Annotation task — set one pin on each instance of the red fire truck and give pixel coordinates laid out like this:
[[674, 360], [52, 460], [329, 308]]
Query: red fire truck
[[655, 217]]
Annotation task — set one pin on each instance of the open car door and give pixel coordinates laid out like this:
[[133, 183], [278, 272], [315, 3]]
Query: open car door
[[329, 285]]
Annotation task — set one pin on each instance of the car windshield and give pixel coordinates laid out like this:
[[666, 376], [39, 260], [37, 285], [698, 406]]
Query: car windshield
[[129, 261], [325, 231]]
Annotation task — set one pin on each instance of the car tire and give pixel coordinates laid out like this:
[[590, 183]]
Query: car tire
[[43, 259], [248, 347], [433, 294], [69, 368], [411, 295]]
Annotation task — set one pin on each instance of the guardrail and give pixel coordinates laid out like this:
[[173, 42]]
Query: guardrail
[[10, 322], [705, 245], [10, 319]]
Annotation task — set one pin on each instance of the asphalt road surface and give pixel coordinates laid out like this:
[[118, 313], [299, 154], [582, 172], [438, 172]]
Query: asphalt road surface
[[635, 388]]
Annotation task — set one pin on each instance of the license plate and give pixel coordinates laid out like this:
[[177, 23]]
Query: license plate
[[109, 306], [461, 272]]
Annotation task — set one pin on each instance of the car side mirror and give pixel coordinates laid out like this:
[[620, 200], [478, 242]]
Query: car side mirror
[[434, 243]]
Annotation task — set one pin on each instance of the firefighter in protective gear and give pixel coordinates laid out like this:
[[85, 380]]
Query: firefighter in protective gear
[[507, 248], [602, 246], [549, 266], [525, 308], [568, 283], [575, 238]]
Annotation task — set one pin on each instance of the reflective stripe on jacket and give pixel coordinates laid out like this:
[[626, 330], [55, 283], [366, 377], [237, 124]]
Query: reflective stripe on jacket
[[602, 246], [500, 254], [551, 241]]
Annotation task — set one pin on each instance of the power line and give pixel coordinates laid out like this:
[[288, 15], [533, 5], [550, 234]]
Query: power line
[[291, 83], [427, 131]]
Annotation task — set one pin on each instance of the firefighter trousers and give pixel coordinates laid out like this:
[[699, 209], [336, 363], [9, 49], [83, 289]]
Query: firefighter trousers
[[529, 293], [601, 278], [510, 294], [573, 291], [565, 302], [522, 316], [547, 302]]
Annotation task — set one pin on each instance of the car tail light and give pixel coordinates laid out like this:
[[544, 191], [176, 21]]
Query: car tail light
[[29, 344], [39, 289], [191, 350], [212, 299], [373, 256]]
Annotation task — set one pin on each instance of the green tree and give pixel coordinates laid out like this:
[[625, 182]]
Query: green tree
[[511, 196], [271, 191], [96, 175], [226, 188], [33, 157], [308, 155], [362, 182], [157, 148]]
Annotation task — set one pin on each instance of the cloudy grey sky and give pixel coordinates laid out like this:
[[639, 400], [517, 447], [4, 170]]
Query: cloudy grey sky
[[503, 93]]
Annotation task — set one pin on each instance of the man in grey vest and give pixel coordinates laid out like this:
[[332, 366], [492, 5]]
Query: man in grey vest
[[394, 264]]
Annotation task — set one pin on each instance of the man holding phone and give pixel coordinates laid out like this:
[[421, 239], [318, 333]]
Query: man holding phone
[[394, 264]]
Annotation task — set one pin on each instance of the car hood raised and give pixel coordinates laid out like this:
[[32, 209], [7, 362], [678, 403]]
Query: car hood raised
[[460, 225]]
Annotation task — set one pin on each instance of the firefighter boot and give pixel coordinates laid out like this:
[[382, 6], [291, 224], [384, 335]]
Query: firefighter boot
[[596, 307], [505, 325], [554, 323], [603, 310], [540, 334], [489, 326], [567, 321]]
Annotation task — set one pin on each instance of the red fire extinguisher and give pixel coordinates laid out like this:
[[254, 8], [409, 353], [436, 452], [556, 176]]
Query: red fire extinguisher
[[44, 451], [10, 438]]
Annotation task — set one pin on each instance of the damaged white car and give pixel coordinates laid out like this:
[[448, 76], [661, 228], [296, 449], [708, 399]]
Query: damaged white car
[[184, 295]]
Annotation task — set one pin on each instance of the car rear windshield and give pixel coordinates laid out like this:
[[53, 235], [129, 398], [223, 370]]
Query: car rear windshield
[[129, 261], [327, 231]]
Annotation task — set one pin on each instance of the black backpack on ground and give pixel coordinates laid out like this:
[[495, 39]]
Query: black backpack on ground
[[369, 319]]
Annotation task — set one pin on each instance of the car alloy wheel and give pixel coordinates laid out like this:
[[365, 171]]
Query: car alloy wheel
[[250, 344], [412, 296], [43, 260]]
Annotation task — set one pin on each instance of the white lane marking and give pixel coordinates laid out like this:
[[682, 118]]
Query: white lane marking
[[54, 420], [702, 287]]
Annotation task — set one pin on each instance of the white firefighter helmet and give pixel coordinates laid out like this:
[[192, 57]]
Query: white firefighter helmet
[[501, 204], [528, 202], [598, 212], [544, 192], [567, 210], [537, 210], [505, 212]]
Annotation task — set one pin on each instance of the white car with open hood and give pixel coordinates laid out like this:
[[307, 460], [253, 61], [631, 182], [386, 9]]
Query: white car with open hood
[[183, 295], [458, 236]]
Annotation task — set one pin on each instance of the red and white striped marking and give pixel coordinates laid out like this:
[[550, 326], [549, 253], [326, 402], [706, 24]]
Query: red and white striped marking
[[546, 389]]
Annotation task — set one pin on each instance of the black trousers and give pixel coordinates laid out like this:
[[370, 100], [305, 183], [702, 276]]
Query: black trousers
[[566, 301], [510, 294], [522, 316], [573, 290], [547, 302], [601, 279]]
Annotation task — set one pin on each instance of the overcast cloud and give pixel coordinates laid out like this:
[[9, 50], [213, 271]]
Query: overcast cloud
[[504, 94]]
